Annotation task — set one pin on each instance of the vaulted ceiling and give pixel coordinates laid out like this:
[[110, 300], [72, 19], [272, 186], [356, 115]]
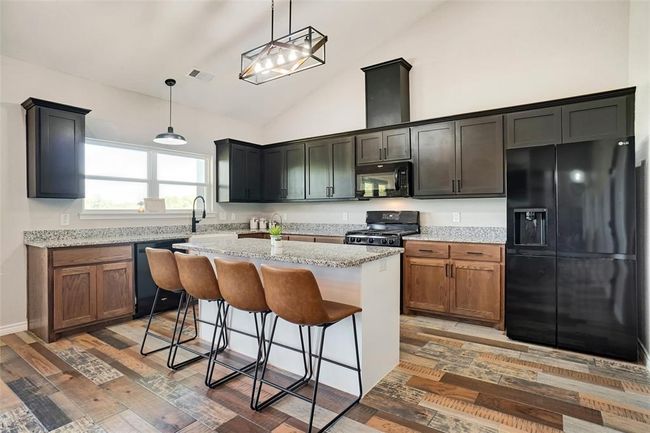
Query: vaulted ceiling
[[135, 45]]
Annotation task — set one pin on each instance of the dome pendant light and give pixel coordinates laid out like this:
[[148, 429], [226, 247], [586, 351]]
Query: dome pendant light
[[170, 137]]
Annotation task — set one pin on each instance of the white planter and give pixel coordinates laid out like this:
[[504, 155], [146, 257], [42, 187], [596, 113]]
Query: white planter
[[276, 244]]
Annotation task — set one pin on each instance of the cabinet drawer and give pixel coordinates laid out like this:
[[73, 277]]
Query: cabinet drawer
[[427, 249], [87, 255], [476, 252], [329, 239]]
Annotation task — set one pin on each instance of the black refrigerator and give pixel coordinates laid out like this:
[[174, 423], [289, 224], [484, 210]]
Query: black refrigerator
[[570, 263]]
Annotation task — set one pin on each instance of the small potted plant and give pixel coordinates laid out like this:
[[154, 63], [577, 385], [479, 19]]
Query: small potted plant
[[276, 236]]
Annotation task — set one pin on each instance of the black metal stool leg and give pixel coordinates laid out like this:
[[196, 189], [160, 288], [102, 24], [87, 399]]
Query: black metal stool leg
[[176, 341], [146, 331], [304, 380], [236, 371]]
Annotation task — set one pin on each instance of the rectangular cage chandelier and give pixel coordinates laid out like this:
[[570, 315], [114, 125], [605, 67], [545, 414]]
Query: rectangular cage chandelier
[[295, 52]]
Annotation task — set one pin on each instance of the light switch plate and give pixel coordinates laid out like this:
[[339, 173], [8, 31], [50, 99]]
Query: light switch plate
[[233, 216], [455, 217], [65, 219]]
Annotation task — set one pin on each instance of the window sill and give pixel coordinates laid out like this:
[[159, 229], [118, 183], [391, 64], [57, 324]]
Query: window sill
[[122, 215]]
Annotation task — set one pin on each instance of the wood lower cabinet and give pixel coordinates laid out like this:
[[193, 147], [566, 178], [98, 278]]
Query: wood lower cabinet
[[458, 280], [114, 289], [428, 283], [75, 296], [296, 237], [70, 289]]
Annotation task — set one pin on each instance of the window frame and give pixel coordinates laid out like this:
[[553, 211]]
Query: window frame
[[151, 180]]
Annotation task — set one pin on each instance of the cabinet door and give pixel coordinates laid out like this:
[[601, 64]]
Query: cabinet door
[[114, 290], [369, 148], [294, 172], [75, 296], [238, 178], [426, 284], [434, 154], [253, 174], [397, 144], [534, 127], [343, 177], [593, 120], [318, 173], [479, 155], [60, 155], [272, 168], [475, 290]]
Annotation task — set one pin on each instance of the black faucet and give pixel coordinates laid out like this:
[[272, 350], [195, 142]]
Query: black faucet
[[194, 219]]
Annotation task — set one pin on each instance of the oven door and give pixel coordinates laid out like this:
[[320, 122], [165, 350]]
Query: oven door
[[383, 180]]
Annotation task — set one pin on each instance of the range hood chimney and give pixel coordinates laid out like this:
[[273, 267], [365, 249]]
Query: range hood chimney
[[387, 93]]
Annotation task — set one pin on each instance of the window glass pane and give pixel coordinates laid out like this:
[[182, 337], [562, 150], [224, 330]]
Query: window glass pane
[[178, 196], [180, 168], [111, 194], [115, 162]]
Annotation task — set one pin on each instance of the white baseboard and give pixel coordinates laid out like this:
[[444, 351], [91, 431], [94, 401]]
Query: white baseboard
[[13, 327]]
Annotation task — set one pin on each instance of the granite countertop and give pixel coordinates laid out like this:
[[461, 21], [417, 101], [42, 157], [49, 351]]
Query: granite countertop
[[477, 235], [61, 238], [305, 253]]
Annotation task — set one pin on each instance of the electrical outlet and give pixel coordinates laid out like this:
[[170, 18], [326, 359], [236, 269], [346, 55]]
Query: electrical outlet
[[65, 219], [344, 216], [233, 216], [455, 217], [223, 216]]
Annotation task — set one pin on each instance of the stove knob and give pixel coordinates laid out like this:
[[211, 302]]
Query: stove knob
[[391, 242], [358, 239], [350, 240], [371, 240], [384, 241]]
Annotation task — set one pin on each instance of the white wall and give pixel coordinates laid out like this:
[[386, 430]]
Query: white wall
[[639, 76], [470, 56], [116, 115]]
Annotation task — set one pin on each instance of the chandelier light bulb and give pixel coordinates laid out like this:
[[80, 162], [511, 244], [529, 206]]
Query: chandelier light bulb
[[258, 68], [280, 59], [268, 64], [292, 55]]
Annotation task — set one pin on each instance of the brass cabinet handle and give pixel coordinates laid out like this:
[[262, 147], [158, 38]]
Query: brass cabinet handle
[[459, 185], [453, 185], [446, 269], [425, 251], [451, 270], [474, 253]]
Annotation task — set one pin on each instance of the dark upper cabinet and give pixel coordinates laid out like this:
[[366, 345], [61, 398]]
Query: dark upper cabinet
[[55, 149], [534, 127], [479, 155], [294, 172], [318, 169], [369, 148], [330, 168], [461, 158], [383, 146], [238, 171], [272, 169], [343, 176], [593, 120], [434, 159], [284, 172]]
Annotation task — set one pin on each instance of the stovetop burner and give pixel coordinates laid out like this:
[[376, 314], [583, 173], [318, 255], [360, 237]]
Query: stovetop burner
[[385, 228]]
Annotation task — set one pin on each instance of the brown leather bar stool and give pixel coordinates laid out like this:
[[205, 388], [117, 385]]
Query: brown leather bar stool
[[241, 289], [165, 274], [200, 282], [294, 296]]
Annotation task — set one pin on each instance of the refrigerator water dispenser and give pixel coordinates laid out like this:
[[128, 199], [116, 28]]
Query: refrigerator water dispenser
[[530, 226]]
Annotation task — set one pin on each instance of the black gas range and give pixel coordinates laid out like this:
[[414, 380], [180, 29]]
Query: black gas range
[[385, 228]]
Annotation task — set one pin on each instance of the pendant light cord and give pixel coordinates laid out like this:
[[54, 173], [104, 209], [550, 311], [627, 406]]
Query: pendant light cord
[[290, 16], [272, 13], [170, 106]]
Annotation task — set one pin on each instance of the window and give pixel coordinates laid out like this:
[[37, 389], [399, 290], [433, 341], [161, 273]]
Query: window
[[120, 177]]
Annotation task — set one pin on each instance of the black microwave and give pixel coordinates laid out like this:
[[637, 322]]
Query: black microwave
[[383, 180]]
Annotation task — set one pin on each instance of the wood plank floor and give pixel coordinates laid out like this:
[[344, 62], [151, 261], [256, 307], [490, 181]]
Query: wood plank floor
[[453, 377]]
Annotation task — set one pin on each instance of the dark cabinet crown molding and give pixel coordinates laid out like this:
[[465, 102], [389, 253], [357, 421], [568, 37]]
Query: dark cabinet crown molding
[[35, 102]]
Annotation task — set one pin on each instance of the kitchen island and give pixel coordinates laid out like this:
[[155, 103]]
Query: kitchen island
[[368, 277]]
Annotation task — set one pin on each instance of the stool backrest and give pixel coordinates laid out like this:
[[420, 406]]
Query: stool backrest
[[163, 269], [294, 295], [197, 276], [240, 285]]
